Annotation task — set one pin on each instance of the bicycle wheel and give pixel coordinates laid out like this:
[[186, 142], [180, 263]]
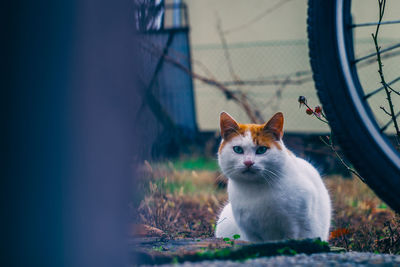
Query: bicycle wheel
[[346, 104]]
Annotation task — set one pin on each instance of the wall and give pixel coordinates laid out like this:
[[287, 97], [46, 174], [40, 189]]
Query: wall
[[267, 40]]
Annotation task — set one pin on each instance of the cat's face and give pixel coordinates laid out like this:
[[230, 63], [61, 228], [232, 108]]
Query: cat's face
[[251, 152]]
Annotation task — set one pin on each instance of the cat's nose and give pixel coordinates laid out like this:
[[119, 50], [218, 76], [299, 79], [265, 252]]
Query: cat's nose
[[248, 163]]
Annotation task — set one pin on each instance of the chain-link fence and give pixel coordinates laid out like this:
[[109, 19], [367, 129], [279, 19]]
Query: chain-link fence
[[272, 74]]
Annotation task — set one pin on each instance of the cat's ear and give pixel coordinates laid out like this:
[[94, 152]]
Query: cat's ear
[[227, 124], [275, 125]]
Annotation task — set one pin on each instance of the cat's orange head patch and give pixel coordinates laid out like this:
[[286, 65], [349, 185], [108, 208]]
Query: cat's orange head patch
[[266, 134]]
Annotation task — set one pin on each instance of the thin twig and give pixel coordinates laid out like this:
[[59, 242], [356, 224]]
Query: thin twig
[[227, 55], [237, 96], [232, 72], [384, 110], [392, 90], [388, 89], [330, 143], [258, 17], [332, 147], [263, 82], [388, 123]]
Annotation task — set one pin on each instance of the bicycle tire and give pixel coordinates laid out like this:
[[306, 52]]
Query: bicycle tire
[[341, 95]]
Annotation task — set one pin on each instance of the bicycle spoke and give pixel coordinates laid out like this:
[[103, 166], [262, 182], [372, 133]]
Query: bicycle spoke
[[381, 88], [373, 54], [374, 23], [373, 60], [389, 122]]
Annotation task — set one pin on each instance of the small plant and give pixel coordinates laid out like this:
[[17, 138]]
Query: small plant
[[236, 236], [328, 140], [231, 241], [159, 249], [228, 241]]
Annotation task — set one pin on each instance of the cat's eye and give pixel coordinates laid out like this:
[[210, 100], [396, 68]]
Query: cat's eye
[[261, 150], [238, 149]]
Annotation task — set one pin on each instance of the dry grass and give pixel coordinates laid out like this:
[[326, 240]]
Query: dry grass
[[182, 203], [361, 221], [185, 203]]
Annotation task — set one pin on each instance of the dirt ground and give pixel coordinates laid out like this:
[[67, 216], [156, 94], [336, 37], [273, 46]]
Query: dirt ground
[[182, 199]]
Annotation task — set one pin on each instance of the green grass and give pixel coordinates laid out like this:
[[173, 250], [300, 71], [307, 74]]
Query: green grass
[[172, 187], [196, 164]]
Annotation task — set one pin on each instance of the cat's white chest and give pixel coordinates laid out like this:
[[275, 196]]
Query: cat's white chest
[[262, 214]]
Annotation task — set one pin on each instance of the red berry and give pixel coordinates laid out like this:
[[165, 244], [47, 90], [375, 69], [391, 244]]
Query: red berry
[[309, 111], [318, 109]]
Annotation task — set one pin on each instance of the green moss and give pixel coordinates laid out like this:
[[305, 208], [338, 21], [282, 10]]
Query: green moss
[[286, 251], [215, 254], [174, 260], [321, 243], [248, 251], [250, 256]]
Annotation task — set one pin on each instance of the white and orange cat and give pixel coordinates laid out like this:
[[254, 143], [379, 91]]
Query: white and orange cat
[[273, 194]]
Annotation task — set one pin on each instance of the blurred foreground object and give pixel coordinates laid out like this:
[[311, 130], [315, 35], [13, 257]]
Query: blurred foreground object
[[71, 106]]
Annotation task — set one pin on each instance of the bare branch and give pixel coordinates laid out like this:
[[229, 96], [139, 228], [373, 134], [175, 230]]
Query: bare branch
[[262, 82], [332, 147], [392, 90], [237, 96], [329, 142], [384, 110], [258, 17], [234, 76], [388, 89]]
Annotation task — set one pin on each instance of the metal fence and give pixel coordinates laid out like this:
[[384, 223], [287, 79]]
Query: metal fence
[[272, 74], [169, 89]]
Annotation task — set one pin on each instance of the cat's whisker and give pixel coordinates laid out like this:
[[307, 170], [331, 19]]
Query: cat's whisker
[[277, 172], [229, 170], [270, 178]]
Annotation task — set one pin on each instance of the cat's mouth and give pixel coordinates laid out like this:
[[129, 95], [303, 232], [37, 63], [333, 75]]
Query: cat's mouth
[[248, 170]]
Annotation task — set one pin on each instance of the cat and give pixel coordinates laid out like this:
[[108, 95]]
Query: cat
[[273, 195]]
